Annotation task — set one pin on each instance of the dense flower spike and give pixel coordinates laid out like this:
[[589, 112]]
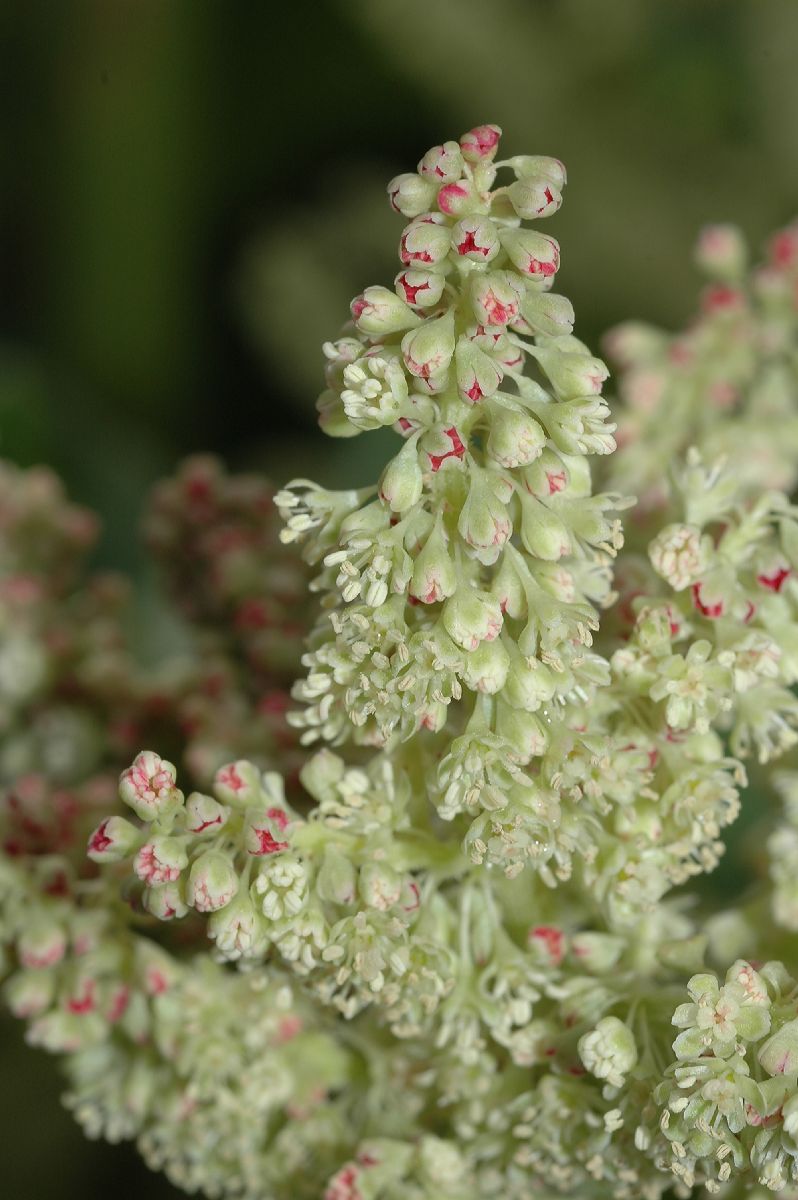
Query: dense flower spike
[[448, 966]]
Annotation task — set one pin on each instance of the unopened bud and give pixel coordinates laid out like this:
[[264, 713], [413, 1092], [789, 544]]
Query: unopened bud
[[779, 1054], [456, 199], [434, 575], [425, 241], [411, 195], [475, 238], [379, 886], [428, 351], [378, 311], [471, 617], [41, 944], [530, 683], [212, 882], [516, 439], [496, 297], [721, 251], [547, 313], [237, 783], [443, 164], [531, 253], [534, 197], [543, 533], [264, 830], [166, 901], [524, 731], [420, 288], [30, 993], [402, 481], [478, 375], [112, 840], [148, 787], [480, 143], [679, 555], [160, 860], [204, 815], [540, 166], [486, 668], [572, 375], [484, 522]]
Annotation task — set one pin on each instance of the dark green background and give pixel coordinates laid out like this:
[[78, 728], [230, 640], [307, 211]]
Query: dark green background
[[191, 191]]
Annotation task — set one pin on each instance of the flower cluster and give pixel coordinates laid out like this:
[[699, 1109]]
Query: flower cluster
[[444, 962]]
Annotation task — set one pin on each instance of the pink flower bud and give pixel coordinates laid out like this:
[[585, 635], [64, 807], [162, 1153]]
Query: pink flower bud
[[779, 1054], [379, 311], [148, 786], [476, 239], [531, 253], [443, 448], [160, 860], [543, 533], [30, 993], [783, 248], [237, 783], [478, 375], [549, 942], [112, 840], [484, 522], [496, 298], [721, 251], [428, 351], [41, 944], [434, 575], [530, 683], [481, 143], [539, 166], [425, 242], [411, 195], [471, 617], [264, 830], [524, 731], [422, 289], [402, 481], [516, 439], [534, 198], [572, 375], [204, 815], [165, 901], [548, 314], [212, 882], [379, 885], [455, 199], [443, 164], [486, 668]]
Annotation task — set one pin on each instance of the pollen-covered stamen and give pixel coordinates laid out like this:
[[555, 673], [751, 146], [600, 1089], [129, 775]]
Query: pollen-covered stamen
[[457, 451]]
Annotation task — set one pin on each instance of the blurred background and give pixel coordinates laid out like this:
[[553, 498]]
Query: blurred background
[[192, 193]]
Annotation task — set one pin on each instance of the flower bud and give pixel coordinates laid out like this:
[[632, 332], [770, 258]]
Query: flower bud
[[548, 313], [530, 683], [442, 447], [527, 166], [475, 238], [609, 1051], [434, 575], [321, 774], [597, 952], [425, 241], [496, 297], [30, 993], [478, 375], [336, 882], [443, 164], [543, 533], [428, 351], [524, 731], [531, 253], [779, 1054], [486, 668], [239, 930], [237, 783], [420, 288], [534, 197], [679, 555], [411, 195], [456, 199], [378, 311], [148, 787], [160, 860], [402, 481], [572, 375], [509, 590], [484, 522], [480, 143], [112, 840], [263, 830], [204, 815], [165, 901], [212, 883], [516, 439], [721, 251], [548, 474], [379, 886], [42, 943], [471, 617]]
